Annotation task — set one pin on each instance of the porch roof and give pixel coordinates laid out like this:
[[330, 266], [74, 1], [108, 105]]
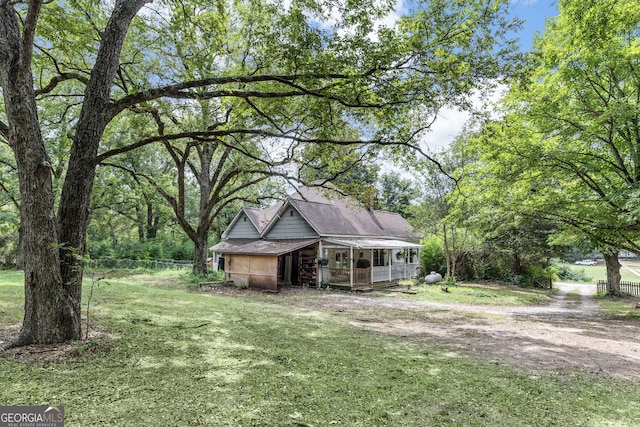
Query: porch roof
[[373, 243], [261, 247]]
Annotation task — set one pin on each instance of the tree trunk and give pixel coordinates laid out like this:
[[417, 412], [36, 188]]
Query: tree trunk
[[517, 264], [49, 312], [140, 223], [153, 222], [205, 182], [52, 249], [447, 254], [200, 255], [20, 253], [613, 271]]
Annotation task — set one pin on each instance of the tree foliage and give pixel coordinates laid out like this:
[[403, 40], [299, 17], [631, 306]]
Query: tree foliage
[[296, 72], [566, 150]]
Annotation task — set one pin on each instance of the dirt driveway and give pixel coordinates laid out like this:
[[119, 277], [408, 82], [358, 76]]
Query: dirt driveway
[[567, 334]]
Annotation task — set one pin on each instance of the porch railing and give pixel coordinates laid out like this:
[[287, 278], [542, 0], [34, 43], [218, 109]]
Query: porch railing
[[364, 275]]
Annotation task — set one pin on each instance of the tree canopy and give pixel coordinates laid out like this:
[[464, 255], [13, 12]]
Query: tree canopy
[[276, 73], [566, 148]]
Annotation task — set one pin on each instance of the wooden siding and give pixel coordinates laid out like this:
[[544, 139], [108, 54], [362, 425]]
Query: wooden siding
[[243, 229], [291, 226], [252, 271]]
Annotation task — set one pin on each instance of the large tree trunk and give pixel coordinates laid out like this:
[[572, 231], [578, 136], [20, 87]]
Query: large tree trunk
[[613, 271], [200, 254], [53, 250], [50, 315]]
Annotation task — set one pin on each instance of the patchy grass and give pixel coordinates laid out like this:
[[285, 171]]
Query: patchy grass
[[619, 308], [179, 358], [480, 294]]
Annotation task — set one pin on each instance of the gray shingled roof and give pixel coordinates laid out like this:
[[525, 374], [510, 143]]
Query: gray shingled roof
[[261, 217], [332, 215], [339, 216], [261, 247]]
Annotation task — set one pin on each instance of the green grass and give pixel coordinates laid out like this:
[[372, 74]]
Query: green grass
[[480, 294], [179, 358], [599, 272], [11, 297], [619, 308]]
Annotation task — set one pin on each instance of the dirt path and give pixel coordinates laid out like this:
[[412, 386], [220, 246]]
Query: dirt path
[[633, 270], [567, 334]]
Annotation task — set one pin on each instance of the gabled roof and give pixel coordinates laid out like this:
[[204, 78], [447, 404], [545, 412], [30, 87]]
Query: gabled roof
[[329, 216], [259, 217], [339, 216]]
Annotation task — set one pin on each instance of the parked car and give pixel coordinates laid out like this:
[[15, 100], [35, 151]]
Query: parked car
[[586, 262]]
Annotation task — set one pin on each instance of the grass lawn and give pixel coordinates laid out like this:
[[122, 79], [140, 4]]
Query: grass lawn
[[619, 308], [480, 294], [166, 356], [599, 272]]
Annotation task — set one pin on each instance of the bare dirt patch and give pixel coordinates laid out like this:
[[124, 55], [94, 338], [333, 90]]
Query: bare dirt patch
[[97, 342], [565, 336]]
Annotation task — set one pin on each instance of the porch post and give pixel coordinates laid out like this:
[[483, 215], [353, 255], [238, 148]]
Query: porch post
[[351, 266], [371, 265], [318, 266], [406, 261], [389, 253]]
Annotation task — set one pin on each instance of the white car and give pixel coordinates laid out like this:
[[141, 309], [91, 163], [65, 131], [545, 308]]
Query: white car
[[586, 262]]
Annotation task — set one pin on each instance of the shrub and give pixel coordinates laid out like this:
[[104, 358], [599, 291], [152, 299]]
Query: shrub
[[566, 272], [432, 255]]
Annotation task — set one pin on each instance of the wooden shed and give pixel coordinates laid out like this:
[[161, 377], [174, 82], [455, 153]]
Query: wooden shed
[[263, 263]]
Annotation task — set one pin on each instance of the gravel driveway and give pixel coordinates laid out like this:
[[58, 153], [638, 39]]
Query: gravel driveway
[[567, 335]]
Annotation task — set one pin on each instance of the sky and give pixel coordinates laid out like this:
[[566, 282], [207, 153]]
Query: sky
[[450, 122]]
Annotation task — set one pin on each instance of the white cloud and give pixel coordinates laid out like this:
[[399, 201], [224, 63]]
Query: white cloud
[[451, 121]]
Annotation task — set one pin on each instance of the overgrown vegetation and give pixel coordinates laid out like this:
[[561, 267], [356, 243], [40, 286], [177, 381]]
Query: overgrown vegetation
[[135, 249], [166, 356], [565, 272]]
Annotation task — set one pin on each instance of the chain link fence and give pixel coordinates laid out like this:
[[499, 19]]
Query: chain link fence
[[133, 264]]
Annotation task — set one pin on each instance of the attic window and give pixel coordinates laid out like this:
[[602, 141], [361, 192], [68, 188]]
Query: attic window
[[244, 218], [290, 213]]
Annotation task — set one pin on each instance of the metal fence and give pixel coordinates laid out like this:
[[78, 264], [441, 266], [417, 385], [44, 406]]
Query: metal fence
[[630, 288], [133, 264], [542, 282]]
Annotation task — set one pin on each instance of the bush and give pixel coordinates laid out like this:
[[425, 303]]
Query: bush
[[432, 255], [566, 272], [183, 250]]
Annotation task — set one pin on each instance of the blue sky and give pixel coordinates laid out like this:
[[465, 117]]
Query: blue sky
[[450, 122], [534, 14]]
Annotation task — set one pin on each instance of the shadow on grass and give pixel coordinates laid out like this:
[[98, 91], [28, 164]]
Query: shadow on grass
[[181, 358]]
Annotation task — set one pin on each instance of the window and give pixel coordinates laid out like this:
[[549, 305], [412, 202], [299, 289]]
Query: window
[[291, 212], [342, 261], [378, 257]]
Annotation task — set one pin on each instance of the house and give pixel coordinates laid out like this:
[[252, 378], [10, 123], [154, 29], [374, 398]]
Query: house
[[312, 239]]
